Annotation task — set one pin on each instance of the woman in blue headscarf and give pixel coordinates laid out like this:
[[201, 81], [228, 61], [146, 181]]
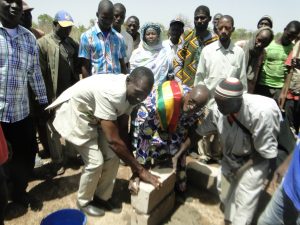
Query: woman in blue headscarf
[[152, 54]]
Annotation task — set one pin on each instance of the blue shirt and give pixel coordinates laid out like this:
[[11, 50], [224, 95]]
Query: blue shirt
[[103, 52], [291, 183], [19, 64]]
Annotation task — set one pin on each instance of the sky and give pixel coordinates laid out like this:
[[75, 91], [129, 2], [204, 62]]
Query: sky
[[245, 13]]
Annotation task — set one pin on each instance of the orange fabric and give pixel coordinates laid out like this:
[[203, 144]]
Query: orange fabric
[[291, 96]]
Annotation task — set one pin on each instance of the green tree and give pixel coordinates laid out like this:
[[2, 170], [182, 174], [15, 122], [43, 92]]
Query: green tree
[[77, 31], [164, 32], [81, 28], [34, 24], [240, 34], [45, 22]]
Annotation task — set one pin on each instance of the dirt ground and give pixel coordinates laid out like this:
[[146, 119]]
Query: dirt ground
[[199, 208]]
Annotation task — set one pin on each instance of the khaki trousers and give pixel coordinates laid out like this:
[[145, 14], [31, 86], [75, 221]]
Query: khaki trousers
[[240, 197], [58, 150], [99, 171]]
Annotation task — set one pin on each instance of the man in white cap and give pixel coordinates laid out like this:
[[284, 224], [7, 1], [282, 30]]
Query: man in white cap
[[60, 68], [248, 126]]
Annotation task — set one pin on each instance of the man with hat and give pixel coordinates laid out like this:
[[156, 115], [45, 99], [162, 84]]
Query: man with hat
[[174, 33], [163, 123], [60, 68], [265, 21], [248, 126], [26, 21]]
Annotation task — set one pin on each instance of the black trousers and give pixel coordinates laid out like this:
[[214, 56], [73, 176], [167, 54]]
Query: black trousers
[[3, 195], [267, 91], [21, 137], [292, 112]]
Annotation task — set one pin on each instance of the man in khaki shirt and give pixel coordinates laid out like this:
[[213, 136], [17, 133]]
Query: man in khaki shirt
[[93, 115]]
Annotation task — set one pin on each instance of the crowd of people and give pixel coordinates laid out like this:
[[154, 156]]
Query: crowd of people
[[123, 93]]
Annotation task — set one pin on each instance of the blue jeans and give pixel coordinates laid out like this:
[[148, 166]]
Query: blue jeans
[[280, 211]]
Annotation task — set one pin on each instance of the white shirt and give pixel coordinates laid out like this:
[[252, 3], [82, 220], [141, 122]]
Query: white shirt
[[88, 101], [260, 115], [171, 48], [217, 63]]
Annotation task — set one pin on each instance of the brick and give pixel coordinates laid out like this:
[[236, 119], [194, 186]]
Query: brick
[[164, 209], [148, 197], [203, 176]]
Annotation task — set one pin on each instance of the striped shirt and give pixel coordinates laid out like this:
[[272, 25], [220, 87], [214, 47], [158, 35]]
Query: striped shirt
[[104, 53], [19, 65]]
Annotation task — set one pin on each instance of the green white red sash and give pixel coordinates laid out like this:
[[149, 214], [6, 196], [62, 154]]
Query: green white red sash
[[168, 101]]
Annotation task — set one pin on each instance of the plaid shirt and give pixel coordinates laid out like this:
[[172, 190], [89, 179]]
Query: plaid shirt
[[19, 65], [104, 53]]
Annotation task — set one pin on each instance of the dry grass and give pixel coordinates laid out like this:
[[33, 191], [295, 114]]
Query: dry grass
[[60, 192]]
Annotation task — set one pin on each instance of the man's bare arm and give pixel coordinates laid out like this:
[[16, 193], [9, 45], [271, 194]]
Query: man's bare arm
[[111, 132], [85, 67], [280, 171], [123, 129], [123, 66]]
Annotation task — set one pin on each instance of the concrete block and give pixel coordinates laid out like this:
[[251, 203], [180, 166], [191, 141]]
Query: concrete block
[[148, 197], [203, 176], [164, 209]]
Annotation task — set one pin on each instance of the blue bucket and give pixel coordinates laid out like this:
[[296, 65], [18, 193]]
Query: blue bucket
[[65, 217]]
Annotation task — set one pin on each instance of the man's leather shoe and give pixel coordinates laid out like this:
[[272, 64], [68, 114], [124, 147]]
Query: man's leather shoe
[[91, 209], [58, 169], [108, 205], [23, 199]]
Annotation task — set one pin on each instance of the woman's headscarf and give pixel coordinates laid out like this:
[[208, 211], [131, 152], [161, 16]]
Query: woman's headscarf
[[153, 57], [157, 28], [253, 60]]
